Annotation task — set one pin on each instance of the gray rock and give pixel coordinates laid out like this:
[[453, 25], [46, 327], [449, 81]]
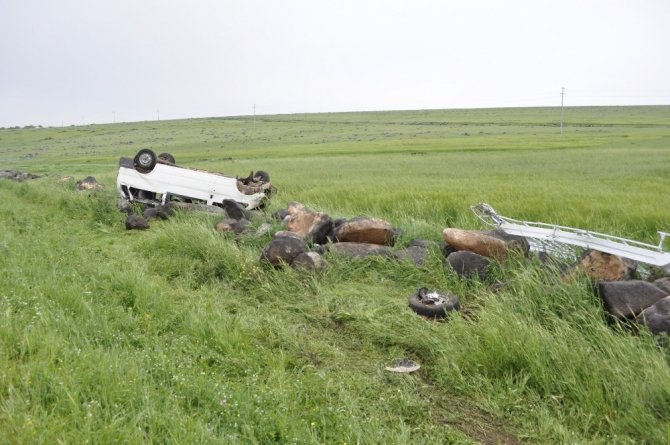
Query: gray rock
[[625, 299], [469, 264], [17, 175], [310, 261], [428, 244], [159, 212], [264, 229], [136, 222], [280, 214], [361, 250], [235, 210], [283, 250], [663, 284], [657, 317], [287, 234], [418, 254], [233, 225], [124, 205]]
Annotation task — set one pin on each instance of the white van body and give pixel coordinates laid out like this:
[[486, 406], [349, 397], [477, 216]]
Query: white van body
[[166, 180]]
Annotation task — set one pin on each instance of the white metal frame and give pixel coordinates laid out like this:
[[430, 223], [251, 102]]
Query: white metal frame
[[553, 238]]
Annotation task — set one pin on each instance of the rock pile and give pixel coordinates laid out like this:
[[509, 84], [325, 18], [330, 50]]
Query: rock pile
[[355, 238], [470, 254], [17, 175]]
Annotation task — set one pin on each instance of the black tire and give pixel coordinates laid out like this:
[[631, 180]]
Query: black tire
[[262, 176], [145, 160], [166, 157], [429, 308]]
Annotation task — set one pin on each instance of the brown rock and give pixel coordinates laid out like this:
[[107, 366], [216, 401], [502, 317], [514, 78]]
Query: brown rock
[[626, 299], [89, 183], [365, 230], [360, 250], [296, 207], [480, 243], [604, 266], [311, 226]]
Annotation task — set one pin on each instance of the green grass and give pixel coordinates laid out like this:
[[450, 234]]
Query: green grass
[[179, 335]]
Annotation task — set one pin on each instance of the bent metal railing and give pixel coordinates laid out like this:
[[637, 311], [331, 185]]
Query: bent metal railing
[[553, 238]]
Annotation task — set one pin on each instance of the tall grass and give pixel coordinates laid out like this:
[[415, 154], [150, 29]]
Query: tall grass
[[179, 335]]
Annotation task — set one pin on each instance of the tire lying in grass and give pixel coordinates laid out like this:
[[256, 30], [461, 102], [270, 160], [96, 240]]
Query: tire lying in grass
[[166, 157], [433, 304], [145, 160]]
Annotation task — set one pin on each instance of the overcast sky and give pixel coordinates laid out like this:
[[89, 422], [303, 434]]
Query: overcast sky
[[68, 62]]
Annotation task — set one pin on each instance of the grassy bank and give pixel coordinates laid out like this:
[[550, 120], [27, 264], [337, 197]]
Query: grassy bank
[[179, 335]]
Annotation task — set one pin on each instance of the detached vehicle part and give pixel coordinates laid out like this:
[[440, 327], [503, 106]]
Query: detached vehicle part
[[152, 179], [433, 304], [561, 240]]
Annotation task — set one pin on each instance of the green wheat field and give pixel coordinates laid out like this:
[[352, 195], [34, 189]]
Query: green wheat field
[[179, 335]]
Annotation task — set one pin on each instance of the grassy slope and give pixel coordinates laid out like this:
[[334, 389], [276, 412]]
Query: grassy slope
[[178, 335]]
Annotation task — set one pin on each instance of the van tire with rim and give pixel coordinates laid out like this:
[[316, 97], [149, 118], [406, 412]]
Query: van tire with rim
[[145, 160]]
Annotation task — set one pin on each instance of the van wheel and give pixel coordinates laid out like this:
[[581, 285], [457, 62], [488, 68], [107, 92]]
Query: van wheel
[[145, 160], [262, 176], [433, 304], [167, 157]]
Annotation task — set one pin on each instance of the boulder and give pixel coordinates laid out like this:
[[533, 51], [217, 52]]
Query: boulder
[[124, 205], [657, 317], [235, 210], [663, 284], [311, 226], [159, 212], [287, 234], [263, 229], [626, 299], [604, 266], [280, 214], [482, 243], [418, 255], [468, 264], [365, 230], [360, 250], [17, 175], [333, 231], [89, 183], [229, 225], [282, 250], [515, 242], [136, 222], [296, 207], [311, 261], [428, 244]]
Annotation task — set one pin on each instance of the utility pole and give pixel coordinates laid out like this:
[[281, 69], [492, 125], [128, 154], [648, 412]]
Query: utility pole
[[158, 115], [562, 95]]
